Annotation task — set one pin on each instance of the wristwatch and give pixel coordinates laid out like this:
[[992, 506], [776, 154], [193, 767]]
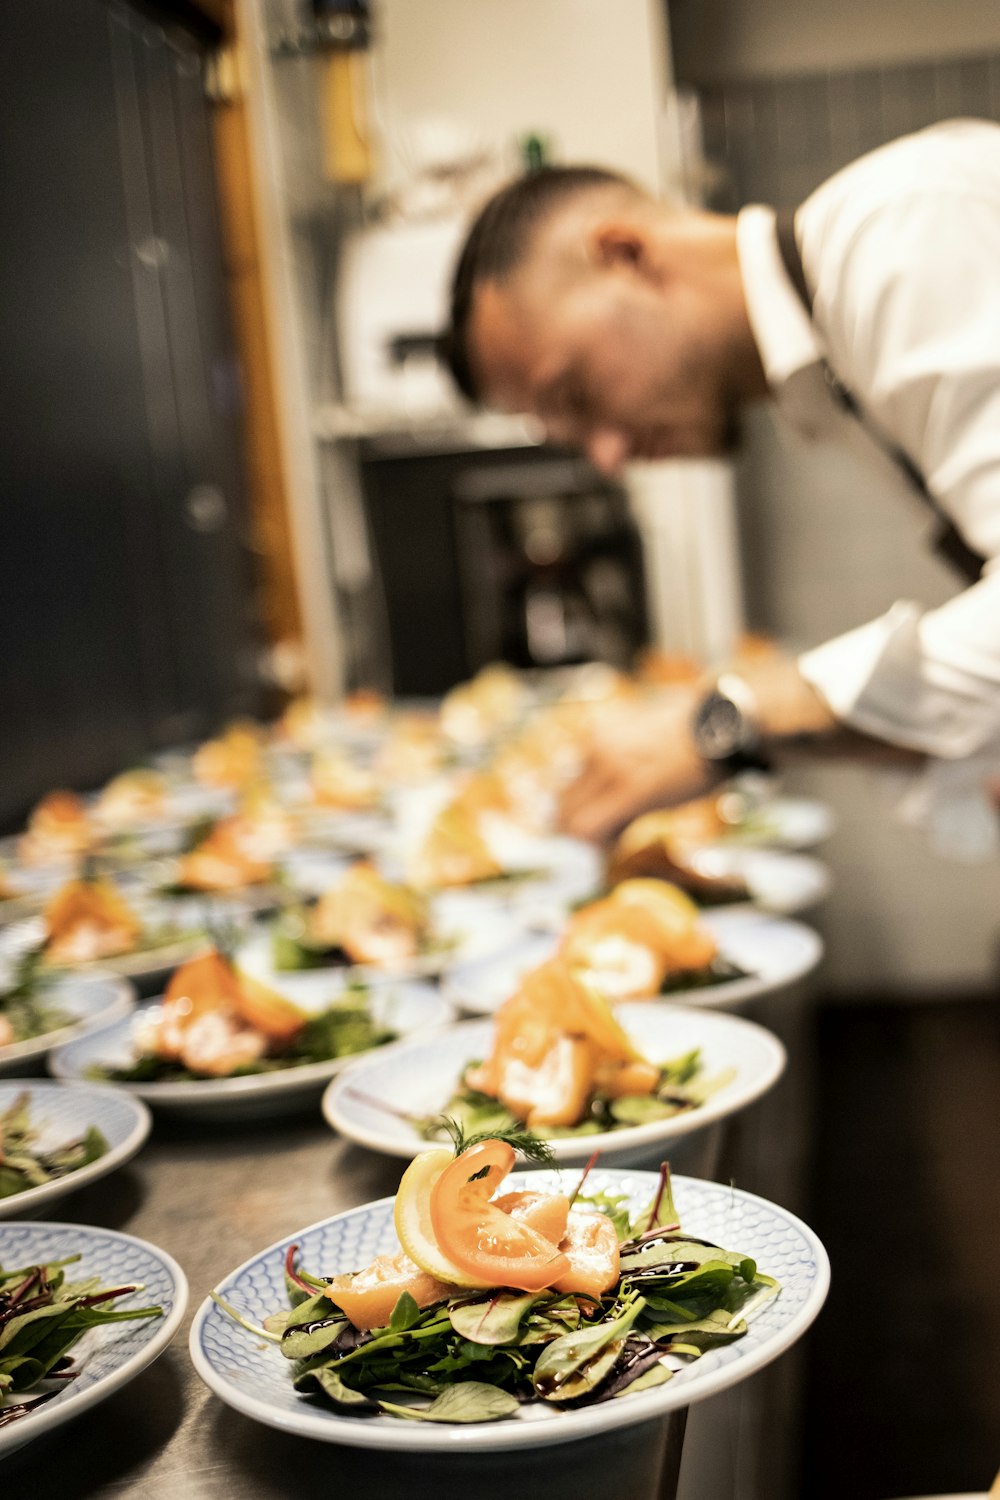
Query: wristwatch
[[726, 729]]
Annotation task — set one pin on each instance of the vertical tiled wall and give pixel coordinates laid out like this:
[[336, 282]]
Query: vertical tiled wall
[[824, 549], [774, 140]]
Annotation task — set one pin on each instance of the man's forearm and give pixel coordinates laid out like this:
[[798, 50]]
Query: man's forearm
[[796, 721]]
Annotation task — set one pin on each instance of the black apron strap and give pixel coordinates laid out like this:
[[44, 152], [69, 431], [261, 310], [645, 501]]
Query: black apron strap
[[949, 542]]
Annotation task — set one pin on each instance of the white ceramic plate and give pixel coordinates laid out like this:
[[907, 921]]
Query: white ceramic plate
[[404, 1008], [107, 1358], [255, 1378], [94, 1000], [415, 1078], [62, 1112], [464, 931], [146, 964], [773, 952], [788, 823], [552, 871], [776, 880]]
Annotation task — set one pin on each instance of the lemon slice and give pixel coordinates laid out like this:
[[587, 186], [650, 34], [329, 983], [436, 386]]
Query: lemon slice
[[412, 1217], [667, 902]]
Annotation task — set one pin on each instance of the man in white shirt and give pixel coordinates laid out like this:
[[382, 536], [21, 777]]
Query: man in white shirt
[[634, 329]]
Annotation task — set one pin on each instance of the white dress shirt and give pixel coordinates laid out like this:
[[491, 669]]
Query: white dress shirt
[[902, 253]]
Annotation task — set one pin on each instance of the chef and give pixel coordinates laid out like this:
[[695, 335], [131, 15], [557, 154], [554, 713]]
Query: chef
[[636, 329]]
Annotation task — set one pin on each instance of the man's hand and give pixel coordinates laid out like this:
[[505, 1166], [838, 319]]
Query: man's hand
[[640, 757]]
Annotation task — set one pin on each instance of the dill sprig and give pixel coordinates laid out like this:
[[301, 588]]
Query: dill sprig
[[526, 1144]]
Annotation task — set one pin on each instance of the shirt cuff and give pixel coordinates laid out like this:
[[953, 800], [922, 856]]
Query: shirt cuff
[[881, 680]]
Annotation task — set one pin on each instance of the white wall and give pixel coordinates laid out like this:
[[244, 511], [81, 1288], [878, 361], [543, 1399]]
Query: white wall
[[591, 74], [736, 38]]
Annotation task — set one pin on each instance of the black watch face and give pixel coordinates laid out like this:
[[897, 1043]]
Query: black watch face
[[721, 729]]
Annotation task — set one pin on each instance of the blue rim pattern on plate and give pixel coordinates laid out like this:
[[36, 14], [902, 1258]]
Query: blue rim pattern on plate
[[62, 1112], [256, 1378], [109, 1357]]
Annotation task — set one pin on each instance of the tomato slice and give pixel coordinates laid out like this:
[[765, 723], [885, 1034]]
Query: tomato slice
[[546, 1212], [478, 1236]]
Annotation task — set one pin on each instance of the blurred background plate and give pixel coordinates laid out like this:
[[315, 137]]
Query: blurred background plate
[[85, 1002], [787, 823], [417, 1077], [461, 931], [403, 1008], [63, 1112], [776, 880], [773, 952]]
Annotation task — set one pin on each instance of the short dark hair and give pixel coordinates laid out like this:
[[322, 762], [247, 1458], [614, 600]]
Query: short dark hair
[[497, 244]]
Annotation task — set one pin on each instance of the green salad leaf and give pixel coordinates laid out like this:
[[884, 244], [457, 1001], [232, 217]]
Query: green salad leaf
[[467, 1401], [480, 1356], [344, 1029], [42, 1316], [24, 1164]]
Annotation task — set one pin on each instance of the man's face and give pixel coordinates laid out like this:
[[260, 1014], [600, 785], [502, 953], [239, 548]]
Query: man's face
[[611, 362]]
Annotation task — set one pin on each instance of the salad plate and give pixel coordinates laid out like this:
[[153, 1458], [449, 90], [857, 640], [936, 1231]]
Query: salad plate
[[383, 1100], [462, 931], [254, 1377], [401, 1008], [553, 870], [63, 1112], [776, 880], [786, 823], [31, 885], [76, 1003], [106, 1358], [773, 953], [184, 931]]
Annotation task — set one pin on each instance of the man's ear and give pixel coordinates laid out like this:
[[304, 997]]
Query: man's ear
[[620, 244]]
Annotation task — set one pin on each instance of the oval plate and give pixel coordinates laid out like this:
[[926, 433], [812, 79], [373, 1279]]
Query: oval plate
[[256, 1379], [143, 964], [416, 1078], [465, 931], [62, 1112], [108, 1357], [776, 880], [405, 1007], [96, 1000], [773, 952], [786, 823]]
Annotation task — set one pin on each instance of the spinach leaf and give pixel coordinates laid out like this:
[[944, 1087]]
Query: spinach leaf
[[313, 1326], [576, 1362], [326, 1380], [405, 1314], [711, 1332], [492, 1320], [467, 1401]]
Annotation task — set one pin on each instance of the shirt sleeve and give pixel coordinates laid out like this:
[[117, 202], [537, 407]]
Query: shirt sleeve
[[910, 307]]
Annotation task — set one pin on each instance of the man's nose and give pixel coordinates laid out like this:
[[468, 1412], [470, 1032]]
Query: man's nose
[[607, 449]]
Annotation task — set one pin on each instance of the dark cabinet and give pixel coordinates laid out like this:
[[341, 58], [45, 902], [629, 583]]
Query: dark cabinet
[[125, 583]]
